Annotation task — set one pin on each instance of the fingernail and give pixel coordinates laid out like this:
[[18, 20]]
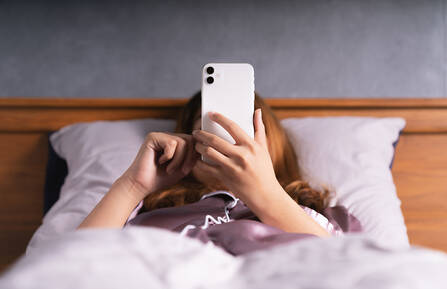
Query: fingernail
[[211, 114]]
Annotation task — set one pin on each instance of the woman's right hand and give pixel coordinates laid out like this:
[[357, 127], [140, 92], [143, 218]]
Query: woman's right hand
[[162, 160]]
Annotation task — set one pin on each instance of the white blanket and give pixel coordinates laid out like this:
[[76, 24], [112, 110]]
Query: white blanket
[[141, 257]]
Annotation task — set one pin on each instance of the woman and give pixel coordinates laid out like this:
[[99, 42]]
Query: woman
[[261, 172]]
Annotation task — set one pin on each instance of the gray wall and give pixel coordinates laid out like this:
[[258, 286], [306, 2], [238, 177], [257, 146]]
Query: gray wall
[[394, 48]]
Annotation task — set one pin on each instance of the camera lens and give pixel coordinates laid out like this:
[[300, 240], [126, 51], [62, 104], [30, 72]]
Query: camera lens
[[209, 79], [210, 70]]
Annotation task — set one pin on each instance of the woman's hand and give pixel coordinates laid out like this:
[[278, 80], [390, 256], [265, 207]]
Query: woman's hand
[[245, 168], [163, 159]]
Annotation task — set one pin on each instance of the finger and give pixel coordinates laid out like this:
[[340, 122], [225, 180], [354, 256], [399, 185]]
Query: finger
[[189, 159], [201, 165], [238, 134], [168, 152], [190, 154], [260, 136], [213, 155], [214, 141], [179, 155]]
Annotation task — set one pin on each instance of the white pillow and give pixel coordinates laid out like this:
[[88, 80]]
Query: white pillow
[[97, 153], [352, 156]]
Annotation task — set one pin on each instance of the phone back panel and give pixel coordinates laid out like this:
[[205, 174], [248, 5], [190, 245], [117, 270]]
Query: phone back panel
[[231, 94]]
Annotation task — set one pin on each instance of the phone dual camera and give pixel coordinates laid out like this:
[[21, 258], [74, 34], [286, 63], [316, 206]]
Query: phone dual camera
[[210, 71]]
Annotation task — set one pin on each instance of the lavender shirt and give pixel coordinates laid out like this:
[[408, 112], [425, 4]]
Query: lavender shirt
[[226, 221]]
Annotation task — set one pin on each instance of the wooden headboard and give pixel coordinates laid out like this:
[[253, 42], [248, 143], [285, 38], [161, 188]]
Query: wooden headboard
[[420, 165]]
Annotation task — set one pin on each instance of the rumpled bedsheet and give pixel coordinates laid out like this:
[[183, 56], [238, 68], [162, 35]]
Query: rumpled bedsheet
[[144, 257]]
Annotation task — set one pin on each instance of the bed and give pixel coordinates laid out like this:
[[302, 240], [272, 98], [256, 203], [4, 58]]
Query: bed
[[419, 170]]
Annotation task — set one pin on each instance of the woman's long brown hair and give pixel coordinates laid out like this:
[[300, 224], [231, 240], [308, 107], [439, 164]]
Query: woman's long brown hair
[[283, 156]]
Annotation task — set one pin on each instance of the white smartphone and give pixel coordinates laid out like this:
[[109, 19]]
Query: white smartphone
[[228, 88]]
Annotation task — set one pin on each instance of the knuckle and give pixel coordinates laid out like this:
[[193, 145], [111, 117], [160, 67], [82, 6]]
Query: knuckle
[[244, 162], [205, 136], [208, 150], [150, 135], [252, 147], [212, 141], [200, 148], [181, 142], [235, 171], [240, 158], [232, 126]]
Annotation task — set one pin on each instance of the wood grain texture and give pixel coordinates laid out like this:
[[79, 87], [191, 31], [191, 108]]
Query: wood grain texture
[[420, 175], [420, 166], [22, 171], [40, 115]]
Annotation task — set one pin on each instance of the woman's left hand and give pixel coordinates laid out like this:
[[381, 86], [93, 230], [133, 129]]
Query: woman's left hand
[[245, 167]]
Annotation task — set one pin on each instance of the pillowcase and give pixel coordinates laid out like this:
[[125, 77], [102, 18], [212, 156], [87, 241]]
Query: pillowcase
[[352, 157], [97, 153]]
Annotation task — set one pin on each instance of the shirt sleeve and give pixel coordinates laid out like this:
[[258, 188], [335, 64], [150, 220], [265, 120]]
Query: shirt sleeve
[[323, 221], [135, 212]]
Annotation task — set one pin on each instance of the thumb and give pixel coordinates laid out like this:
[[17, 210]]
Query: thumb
[[260, 136]]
